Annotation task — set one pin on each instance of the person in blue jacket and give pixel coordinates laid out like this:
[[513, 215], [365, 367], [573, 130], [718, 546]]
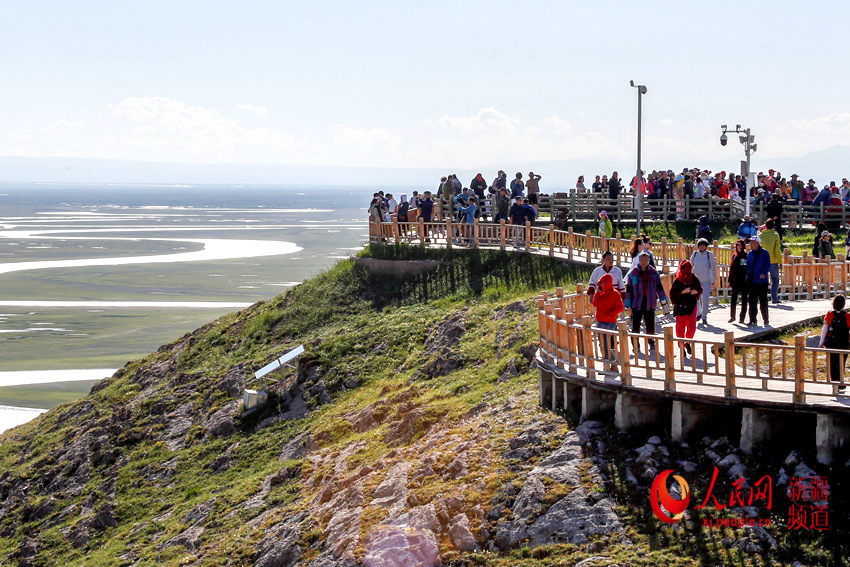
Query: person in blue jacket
[[747, 229], [758, 268], [467, 213]]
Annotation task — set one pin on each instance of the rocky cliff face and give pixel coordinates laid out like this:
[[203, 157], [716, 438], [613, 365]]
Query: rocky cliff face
[[405, 436]]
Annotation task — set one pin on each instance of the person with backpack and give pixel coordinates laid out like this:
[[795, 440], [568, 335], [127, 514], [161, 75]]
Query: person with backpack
[[705, 268], [609, 304], [703, 230], [738, 280], [684, 295], [836, 334], [517, 186]]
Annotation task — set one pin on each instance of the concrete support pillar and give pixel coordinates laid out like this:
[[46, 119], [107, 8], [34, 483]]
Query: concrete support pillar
[[595, 402], [545, 386], [572, 396], [775, 427], [690, 418], [832, 437], [632, 410], [558, 393]]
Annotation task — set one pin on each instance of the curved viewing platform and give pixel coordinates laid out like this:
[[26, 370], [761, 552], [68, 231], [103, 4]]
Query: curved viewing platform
[[770, 390]]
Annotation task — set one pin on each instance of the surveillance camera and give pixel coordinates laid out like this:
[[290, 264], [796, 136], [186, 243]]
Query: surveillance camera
[[723, 139]]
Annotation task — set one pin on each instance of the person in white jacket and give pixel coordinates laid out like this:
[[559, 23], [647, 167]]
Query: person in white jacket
[[705, 268]]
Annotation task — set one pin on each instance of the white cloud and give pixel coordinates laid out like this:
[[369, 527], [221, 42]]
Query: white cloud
[[159, 128], [256, 111], [487, 121], [666, 122]]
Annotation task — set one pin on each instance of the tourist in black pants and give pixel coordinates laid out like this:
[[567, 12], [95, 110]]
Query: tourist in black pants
[[836, 334], [758, 267], [738, 280], [643, 291]]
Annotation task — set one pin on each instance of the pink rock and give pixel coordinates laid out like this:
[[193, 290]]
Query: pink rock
[[394, 546]]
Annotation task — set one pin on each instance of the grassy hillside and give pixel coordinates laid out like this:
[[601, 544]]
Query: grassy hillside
[[411, 417]]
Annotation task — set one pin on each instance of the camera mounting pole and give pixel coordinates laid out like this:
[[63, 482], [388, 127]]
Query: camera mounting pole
[[749, 149]]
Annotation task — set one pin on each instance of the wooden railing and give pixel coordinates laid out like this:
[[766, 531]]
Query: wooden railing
[[783, 374], [585, 207], [801, 277]]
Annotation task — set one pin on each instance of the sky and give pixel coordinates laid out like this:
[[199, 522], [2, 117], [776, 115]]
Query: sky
[[468, 85]]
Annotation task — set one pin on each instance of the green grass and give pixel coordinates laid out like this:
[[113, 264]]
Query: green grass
[[368, 333]]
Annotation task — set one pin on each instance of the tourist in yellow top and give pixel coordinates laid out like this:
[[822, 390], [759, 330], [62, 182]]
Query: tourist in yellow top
[[770, 242]]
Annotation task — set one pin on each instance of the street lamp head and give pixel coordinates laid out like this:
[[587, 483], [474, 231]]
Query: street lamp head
[[737, 126], [723, 139], [632, 83], [642, 89], [723, 127]]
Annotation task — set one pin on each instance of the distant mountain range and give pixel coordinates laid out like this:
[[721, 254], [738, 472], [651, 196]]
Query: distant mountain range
[[824, 165]]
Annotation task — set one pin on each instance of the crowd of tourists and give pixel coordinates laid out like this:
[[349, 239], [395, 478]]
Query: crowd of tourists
[[753, 274]]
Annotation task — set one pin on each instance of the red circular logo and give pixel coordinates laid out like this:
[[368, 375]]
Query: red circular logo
[[659, 496]]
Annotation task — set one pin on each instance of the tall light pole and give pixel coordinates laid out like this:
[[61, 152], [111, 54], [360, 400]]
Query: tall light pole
[[641, 90], [749, 149]]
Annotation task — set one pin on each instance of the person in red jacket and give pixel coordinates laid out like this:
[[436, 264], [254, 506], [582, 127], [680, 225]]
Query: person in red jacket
[[609, 304], [684, 293]]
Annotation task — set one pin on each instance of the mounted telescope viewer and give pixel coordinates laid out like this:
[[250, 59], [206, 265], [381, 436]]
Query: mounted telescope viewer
[[254, 399]]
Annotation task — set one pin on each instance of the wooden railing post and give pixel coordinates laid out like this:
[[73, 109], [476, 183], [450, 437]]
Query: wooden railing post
[[449, 235], [842, 265], [625, 365], [570, 243], [799, 354], [581, 300], [808, 280], [528, 236], [731, 390], [664, 255], [502, 235], [669, 373], [571, 343], [587, 333], [617, 245], [475, 232], [420, 228], [587, 245], [552, 240]]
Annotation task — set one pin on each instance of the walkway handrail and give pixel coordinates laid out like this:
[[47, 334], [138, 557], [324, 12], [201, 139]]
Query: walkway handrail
[[576, 207], [727, 369], [802, 277]]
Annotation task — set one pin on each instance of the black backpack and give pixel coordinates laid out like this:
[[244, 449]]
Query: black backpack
[[838, 334]]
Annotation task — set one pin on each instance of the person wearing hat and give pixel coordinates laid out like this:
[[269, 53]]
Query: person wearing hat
[[643, 292], [747, 228], [606, 229], [825, 244], [705, 269], [758, 268]]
